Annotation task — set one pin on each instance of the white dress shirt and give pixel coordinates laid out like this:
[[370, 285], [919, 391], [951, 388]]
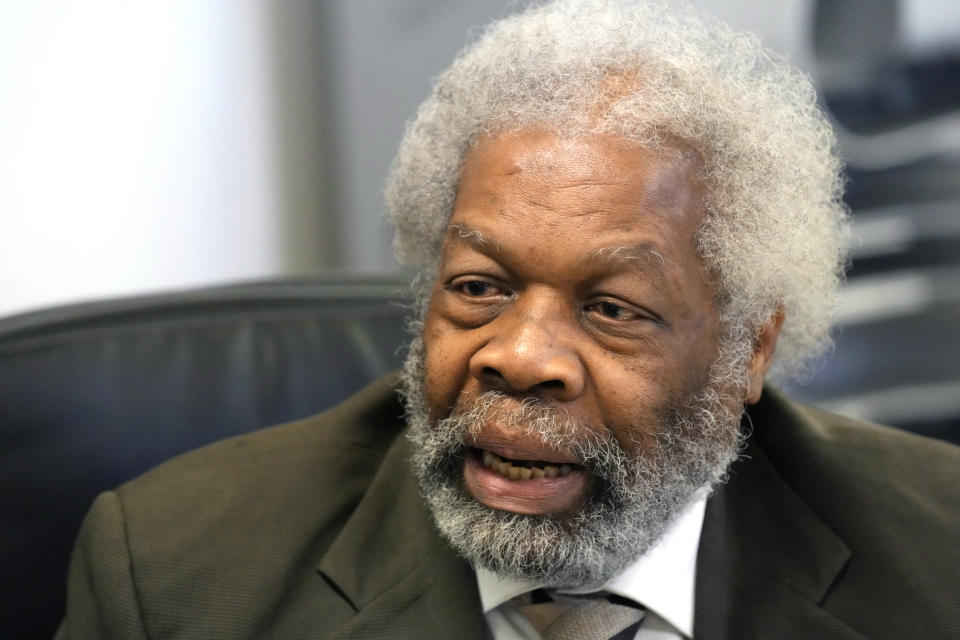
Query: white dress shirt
[[662, 580]]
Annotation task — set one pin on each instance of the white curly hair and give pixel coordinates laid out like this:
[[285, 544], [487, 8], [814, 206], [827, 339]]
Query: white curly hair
[[775, 233]]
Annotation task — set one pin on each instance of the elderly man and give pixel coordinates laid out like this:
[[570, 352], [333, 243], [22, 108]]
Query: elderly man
[[625, 216]]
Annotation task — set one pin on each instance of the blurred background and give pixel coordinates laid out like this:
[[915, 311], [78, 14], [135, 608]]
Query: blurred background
[[153, 146], [150, 147]]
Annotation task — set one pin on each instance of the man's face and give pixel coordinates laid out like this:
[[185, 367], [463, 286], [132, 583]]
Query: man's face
[[568, 345]]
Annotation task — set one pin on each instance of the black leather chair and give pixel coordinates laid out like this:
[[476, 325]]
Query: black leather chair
[[94, 394]]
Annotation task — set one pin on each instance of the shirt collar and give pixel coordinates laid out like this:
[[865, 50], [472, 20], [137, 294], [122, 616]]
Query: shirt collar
[[663, 579]]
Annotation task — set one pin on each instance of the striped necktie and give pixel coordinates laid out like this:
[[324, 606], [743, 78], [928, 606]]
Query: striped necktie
[[592, 616]]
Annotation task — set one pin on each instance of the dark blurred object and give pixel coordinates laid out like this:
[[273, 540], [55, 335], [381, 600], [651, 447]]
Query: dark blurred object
[[896, 109], [900, 95], [870, 81], [94, 394], [898, 367], [893, 90]]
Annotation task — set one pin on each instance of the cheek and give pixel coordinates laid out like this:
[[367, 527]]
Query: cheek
[[439, 393], [445, 369], [635, 399], [623, 392], [705, 332], [624, 384]]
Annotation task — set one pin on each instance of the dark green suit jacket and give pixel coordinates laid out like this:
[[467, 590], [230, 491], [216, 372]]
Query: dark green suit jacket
[[827, 529]]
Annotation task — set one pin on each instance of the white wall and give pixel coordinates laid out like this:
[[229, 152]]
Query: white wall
[[136, 148]]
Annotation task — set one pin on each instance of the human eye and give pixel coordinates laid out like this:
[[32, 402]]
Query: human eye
[[473, 300], [609, 310], [613, 310], [475, 288]]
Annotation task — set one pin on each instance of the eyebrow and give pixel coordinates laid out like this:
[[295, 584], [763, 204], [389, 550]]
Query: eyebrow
[[642, 254], [468, 234]]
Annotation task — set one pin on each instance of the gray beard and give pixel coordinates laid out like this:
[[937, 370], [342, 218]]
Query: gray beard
[[633, 498]]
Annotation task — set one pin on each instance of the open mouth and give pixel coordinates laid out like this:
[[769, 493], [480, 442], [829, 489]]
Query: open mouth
[[523, 469], [524, 482]]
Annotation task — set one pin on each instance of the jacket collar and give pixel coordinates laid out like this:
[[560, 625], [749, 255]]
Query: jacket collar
[[766, 560], [391, 565]]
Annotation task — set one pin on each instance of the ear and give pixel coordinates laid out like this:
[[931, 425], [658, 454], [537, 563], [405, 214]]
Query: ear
[[764, 346]]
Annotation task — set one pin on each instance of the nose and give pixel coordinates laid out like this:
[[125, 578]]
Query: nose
[[529, 354]]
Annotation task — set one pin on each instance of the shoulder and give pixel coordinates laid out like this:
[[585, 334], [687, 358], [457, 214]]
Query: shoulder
[[884, 501], [833, 457], [343, 443], [891, 496], [231, 535]]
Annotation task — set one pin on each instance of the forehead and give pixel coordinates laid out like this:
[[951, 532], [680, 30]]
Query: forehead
[[665, 177], [596, 197]]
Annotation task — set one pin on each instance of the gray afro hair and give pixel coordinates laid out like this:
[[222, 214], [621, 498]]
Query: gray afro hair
[[775, 231]]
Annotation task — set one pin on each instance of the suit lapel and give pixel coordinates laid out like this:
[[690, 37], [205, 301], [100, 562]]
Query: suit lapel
[[766, 561], [391, 565]]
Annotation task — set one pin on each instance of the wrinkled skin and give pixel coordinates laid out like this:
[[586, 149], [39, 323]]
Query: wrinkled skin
[[570, 274]]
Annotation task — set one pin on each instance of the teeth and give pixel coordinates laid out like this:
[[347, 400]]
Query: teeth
[[525, 471]]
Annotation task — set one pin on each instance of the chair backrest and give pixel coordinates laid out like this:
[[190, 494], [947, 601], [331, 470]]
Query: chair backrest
[[94, 394]]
